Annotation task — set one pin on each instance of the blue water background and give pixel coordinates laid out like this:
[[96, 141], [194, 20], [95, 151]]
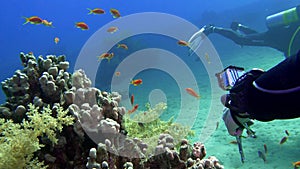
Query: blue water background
[[16, 38]]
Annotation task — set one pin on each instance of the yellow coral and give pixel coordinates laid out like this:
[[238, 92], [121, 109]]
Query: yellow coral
[[18, 142], [148, 126]]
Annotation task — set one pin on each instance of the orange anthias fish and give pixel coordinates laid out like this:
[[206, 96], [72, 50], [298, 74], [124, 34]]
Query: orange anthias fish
[[95, 11], [217, 125], [265, 148], [47, 23], [118, 74], [112, 29], [233, 142], [107, 56], [82, 25], [182, 43], [56, 40], [207, 58], [132, 99], [296, 164], [136, 82], [115, 13], [133, 109], [33, 20], [192, 92], [124, 46]]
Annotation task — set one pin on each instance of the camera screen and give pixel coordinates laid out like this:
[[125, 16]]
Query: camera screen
[[228, 76]]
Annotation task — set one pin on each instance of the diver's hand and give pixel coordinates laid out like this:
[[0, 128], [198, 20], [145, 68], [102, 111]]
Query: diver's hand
[[237, 122], [233, 128]]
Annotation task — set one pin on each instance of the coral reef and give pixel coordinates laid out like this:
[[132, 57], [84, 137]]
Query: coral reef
[[56, 119], [92, 164], [97, 112], [99, 116], [46, 84], [166, 156], [41, 81], [198, 150]]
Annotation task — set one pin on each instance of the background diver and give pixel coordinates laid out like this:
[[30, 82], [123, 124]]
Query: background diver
[[283, 33]]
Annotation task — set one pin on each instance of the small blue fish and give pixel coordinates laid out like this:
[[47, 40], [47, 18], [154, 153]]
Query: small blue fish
[[262, 156]]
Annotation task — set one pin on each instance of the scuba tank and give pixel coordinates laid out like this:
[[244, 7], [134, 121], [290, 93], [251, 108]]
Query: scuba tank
[[284, 18]]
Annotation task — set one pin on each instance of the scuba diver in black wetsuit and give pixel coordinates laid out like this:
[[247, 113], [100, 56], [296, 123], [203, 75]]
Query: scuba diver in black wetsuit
[[262, 96], [283, 32]]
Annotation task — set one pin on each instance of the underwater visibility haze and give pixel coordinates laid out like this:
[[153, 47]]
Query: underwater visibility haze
[[139, 49]]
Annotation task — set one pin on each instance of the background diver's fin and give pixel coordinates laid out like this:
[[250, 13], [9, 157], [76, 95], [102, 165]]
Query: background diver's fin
[[195, 41]]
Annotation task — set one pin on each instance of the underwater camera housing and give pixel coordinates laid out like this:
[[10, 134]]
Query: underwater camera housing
[[228, 76]]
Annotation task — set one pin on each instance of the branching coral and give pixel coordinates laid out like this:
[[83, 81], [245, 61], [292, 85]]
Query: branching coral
[[18, 142]]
